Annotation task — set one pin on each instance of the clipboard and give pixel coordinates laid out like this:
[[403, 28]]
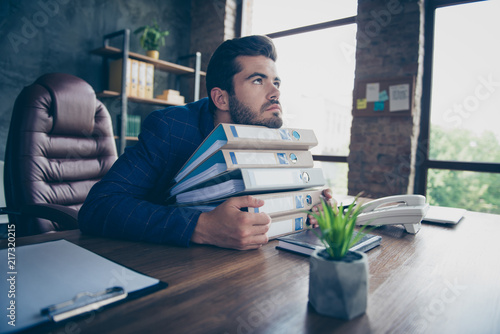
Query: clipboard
[[82, 303], [58, 280]]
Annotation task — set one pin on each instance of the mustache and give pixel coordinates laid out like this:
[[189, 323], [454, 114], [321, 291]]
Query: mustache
[[270, 103]]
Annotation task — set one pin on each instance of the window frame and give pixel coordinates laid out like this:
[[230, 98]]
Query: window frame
[[311, 28], [423, 163]]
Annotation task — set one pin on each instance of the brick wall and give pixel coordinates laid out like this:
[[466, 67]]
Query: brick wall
[[383, 149], [212, 22]]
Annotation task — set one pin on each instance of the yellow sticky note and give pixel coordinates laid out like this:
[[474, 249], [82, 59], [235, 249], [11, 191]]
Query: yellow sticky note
[[361, 104]]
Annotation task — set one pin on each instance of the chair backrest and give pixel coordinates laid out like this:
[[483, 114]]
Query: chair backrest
[[60, 143]]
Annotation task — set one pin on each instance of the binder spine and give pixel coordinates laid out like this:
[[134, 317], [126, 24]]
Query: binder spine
[[265, 158], [279, 205], [134, 77], [284, 203], [277, 178], [286, 225], [257, 137]]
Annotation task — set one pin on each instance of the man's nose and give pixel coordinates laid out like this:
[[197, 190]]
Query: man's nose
[[274, 94]]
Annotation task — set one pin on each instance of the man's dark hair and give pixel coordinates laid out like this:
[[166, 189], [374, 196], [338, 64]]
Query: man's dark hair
[[223, 65]]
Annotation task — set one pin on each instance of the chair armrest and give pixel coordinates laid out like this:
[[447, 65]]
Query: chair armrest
[[67, 218], [7, 211]]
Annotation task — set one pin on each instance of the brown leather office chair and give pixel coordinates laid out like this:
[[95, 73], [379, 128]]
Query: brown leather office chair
[[60, 144]]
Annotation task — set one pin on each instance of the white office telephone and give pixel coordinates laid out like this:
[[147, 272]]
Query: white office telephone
[[408, 210]]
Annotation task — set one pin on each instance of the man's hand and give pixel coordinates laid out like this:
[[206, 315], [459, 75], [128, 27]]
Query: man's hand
[[327, 197], [226, 226]]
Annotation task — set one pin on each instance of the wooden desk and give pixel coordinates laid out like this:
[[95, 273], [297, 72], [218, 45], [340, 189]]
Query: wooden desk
[[442, 280]]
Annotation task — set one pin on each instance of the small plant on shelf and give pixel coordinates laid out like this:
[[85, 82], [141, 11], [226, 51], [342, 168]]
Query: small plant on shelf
[[152, 37]]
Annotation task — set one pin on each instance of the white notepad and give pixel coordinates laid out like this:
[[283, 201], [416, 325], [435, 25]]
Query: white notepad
[[444, 215]]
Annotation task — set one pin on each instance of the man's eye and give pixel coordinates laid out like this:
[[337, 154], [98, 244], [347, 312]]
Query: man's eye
[[258, 81], [277, 84]]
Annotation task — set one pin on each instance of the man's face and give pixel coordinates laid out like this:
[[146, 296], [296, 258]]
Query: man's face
[[256, 93]]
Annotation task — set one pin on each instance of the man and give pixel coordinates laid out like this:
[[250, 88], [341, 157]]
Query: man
[[243, 88]]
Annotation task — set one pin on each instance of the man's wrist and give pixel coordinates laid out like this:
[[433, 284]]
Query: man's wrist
[[197, 236]]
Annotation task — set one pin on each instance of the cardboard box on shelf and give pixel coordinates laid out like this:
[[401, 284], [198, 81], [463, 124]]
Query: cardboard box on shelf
[[172, 96]]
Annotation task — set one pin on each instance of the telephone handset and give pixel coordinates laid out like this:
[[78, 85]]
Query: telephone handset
[[408, 210]]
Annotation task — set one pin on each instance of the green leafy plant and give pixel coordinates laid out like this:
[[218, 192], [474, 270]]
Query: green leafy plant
[[337, 227], [151, 36]]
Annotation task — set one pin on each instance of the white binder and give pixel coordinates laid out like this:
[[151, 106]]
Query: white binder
[[252, 181]]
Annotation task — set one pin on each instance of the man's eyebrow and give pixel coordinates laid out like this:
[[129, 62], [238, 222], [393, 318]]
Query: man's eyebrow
[[258, 74]]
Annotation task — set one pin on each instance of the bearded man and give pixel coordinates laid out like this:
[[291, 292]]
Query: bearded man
[[243, 88]]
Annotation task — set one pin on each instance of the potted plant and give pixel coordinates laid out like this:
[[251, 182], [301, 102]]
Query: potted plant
[[338, 278], [151, 39]]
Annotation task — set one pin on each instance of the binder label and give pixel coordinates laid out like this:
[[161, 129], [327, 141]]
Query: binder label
[[282, 158], [286, 225], [233, 158], [270, 177], [299, 201], [255, 158], [278, 204], [280, 227], [284, 134], [299, 224], [233, 131], [259, 133]]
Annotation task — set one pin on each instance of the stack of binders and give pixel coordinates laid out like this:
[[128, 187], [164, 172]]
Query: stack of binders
[[272, 164]]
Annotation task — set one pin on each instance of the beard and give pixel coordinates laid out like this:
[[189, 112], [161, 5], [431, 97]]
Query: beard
[[243, 114]]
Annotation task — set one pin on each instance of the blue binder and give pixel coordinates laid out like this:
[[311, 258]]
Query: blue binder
[[248, 137]]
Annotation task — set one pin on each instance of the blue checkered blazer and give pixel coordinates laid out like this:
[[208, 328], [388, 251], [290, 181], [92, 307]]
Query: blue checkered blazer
[[128, 202]]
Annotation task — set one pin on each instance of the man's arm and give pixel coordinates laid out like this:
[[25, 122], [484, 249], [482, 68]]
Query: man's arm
[[226, 226], [119, 206]]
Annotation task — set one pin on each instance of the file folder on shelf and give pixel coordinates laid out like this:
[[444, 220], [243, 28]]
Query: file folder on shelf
[[115, 76], [134, 77], [141, 84], [229, 159], [252, 181], [248, 137], [150, 80], [57, 280]]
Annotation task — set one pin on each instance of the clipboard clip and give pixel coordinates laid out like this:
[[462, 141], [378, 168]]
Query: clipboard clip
[[82, 303]]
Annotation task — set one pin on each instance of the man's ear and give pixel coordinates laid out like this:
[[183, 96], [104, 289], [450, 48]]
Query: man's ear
[[220, 98]]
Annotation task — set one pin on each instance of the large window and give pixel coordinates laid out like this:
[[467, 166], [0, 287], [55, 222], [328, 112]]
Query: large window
[[316, 43], [464, 141]]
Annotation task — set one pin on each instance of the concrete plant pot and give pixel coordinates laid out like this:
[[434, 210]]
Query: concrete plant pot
[[339, 288]]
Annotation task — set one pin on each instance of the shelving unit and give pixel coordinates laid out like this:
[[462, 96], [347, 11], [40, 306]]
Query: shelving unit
[[109, 93], [109, 52]]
